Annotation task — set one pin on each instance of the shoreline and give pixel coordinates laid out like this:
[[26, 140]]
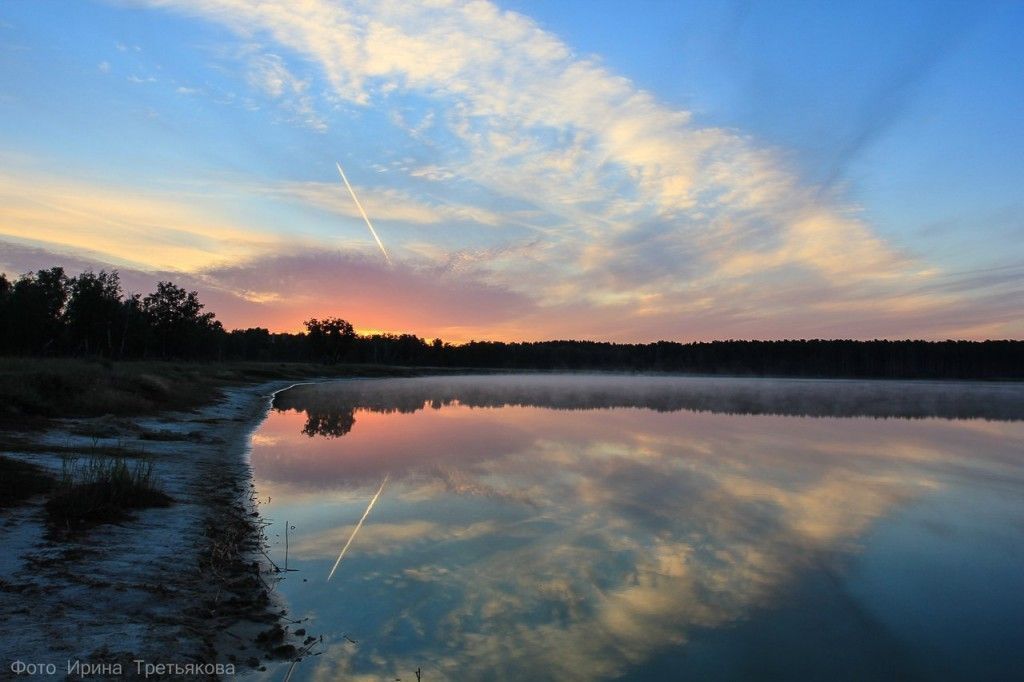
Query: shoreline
[[179, 585]]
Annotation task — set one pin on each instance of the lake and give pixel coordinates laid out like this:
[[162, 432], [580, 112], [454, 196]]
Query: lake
[[535, 527]]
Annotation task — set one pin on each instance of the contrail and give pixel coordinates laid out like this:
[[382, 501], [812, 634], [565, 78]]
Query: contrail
[[367, 219], [359, 525]]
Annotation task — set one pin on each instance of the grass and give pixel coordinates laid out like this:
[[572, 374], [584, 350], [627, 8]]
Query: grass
[[169, 435], [23, 443], [36, 390], [20, 481], [102, 490]]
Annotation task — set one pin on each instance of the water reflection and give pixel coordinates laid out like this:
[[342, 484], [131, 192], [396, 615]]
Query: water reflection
[[334, 410], [626, 535]]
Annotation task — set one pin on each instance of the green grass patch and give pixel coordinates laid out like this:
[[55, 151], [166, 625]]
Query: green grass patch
[[20, 481], [102, 490]]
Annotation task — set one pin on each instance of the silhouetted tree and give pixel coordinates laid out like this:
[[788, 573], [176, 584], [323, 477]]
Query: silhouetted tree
[[133, 328], [94, 312], [5, 298], [330, 338], [251, 344], [36, 307], [46, 313], [178, 326]]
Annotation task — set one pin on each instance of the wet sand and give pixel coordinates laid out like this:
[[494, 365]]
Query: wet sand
[[186, 584]]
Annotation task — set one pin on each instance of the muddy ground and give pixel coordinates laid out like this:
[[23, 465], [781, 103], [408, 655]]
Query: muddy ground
[[184, 584]]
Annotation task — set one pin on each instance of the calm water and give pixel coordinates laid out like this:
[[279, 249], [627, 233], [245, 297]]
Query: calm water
[[575, 527]]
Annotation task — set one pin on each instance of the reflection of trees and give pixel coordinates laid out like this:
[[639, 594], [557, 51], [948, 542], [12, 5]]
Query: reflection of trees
[[334, 418], [332, 424], [331, 403]]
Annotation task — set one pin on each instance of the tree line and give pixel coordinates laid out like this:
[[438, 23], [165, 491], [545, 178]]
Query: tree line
[[48, 313]]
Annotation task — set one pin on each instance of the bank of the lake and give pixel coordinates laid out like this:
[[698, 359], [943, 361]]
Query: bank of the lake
[[184, 583]]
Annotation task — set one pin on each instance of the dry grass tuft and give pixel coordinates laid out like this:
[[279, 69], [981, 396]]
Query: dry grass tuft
[[102, 490]]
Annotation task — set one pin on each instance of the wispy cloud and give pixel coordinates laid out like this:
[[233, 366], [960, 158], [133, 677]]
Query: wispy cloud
[[620, 176], [577, 203], [122, 225], [897, 90], [268, 73], [382, 204]]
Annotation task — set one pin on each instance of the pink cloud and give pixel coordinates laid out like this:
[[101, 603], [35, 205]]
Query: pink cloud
[[280, 292], [425, 300]]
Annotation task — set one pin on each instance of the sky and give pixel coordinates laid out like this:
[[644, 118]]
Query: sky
[[536, 170]]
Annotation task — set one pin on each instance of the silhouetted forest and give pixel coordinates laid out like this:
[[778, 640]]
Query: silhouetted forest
[[47, 313]]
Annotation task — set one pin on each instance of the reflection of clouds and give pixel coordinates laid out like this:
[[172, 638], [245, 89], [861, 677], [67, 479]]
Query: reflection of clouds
[[263, 439], [459, 482], [386, 538], [708, 568], [646, 526], [840, 505], [376, 538], [426, 574], [336, 664]]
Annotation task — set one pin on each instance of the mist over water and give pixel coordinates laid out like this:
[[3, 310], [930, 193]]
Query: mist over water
[[619, 527], [793, 397]]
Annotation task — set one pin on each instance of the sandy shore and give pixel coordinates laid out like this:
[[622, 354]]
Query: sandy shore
[[186, 584]]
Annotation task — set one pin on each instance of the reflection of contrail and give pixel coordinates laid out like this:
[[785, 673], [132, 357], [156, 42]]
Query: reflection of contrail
[[358, 526], [367, 219]]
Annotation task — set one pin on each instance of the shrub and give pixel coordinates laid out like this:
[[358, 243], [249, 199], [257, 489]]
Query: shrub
[[103, 490]]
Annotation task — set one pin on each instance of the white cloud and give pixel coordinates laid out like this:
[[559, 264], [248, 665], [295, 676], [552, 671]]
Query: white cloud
[[268, 73], [566, 128], [639, 203], [380, 204]]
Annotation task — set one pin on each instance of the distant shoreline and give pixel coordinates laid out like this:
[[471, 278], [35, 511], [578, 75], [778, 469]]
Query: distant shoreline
[[332, 410], [47, 314]]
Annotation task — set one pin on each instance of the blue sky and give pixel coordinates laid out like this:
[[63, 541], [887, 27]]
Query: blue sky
[[593, 169]]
